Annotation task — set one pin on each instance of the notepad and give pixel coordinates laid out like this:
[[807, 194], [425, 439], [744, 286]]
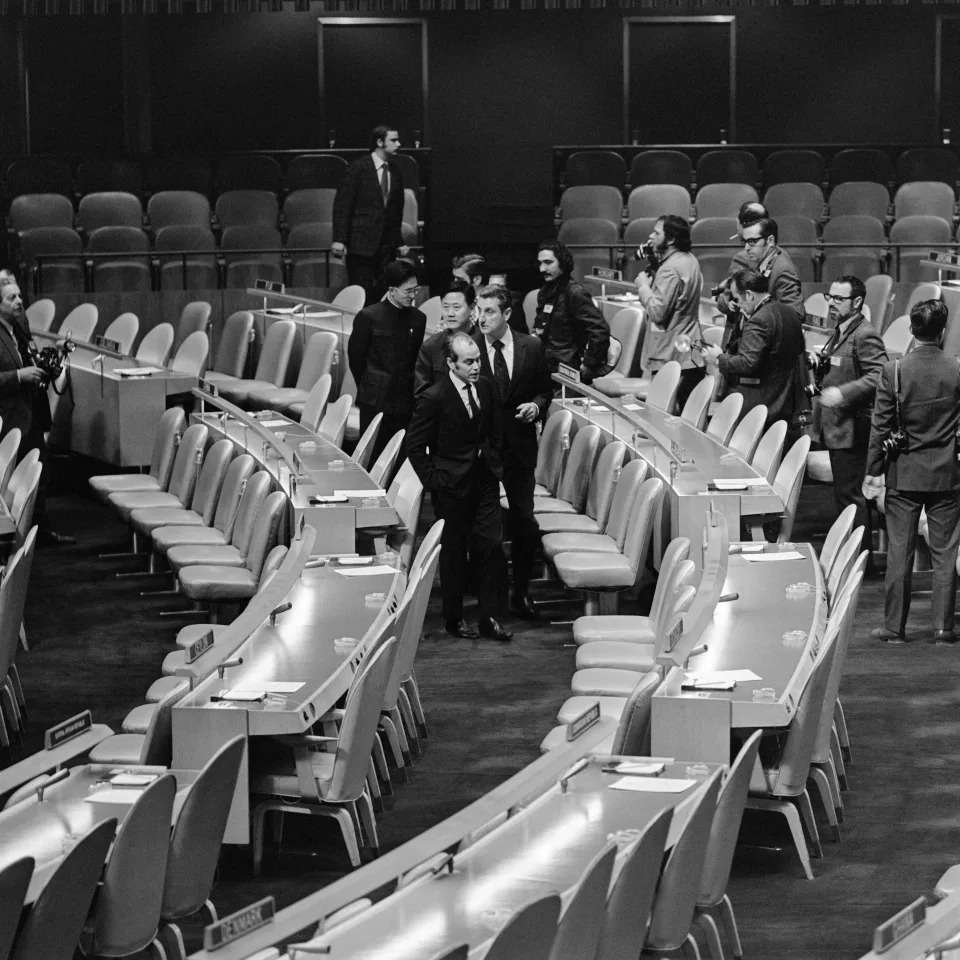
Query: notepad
[[124, 797], [632, 406], [282, 686], [739, 483], [275, 423], [372, 492], [243, 696], [138, 371], [718, 676], [376, 571], [647, 768], [133, 779], [652, 784], [770, 557]]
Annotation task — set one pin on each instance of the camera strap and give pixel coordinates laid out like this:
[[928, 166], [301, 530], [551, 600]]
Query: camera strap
[[896, 393]]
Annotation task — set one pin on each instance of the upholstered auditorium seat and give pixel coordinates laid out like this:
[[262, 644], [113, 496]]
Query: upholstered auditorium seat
[[232, 350], [271, 368], [316, 361]]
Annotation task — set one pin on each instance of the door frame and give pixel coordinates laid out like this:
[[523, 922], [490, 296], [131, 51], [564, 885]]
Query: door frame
[[731, 22], [378, 22]]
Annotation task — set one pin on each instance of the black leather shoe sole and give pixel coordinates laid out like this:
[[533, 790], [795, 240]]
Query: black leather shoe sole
[[460, 630], [523, 607], [944, 638], [492, 630]]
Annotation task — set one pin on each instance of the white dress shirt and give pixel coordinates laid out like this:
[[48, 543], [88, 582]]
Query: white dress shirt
[[507, 341], [460, 384]]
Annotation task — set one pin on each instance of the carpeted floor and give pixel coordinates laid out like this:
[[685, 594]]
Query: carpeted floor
[[96, 644]]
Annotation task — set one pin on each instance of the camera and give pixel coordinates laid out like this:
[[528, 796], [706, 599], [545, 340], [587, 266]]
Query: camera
[[717, 290], [51, 359], [894, 445], [644, 252], [818, 364]]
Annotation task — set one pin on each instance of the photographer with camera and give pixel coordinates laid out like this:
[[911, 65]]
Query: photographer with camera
[[843, 385], [913, 447], [23, 396]]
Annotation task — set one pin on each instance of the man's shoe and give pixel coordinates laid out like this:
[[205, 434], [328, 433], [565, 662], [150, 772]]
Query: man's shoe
[[491, 628], [50, 538], [523, 607], [887, 636], [459, 628], [944, 637]]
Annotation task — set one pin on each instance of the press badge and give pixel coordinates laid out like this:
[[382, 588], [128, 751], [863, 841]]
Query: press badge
[[834, 361], [548, 308]]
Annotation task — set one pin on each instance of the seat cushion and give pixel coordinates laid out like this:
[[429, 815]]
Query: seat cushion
[[566, 542], [552, 505], [214, 376], [162, 688], [175, 660], [218, 584], [573, 707], [566, 523], [164, 538], [120, 748], [539, 490], [275, 398], [949, 883], [104, 485], [605, 682], [352, 431], [557, 737], [237, 391], [191, 555], [189, 635], [818, 466], [126, 503], [626, 629], [616, 654], [146, 520], [278, 778], [595, 571], [139, 718]]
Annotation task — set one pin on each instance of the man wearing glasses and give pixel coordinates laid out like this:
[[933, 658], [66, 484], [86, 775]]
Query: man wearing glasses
[[846, 373], [382, 352]]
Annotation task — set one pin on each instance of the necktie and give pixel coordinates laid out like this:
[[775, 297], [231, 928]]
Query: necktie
[[474, 409], [23, 343], [384, 184], [501, 376]]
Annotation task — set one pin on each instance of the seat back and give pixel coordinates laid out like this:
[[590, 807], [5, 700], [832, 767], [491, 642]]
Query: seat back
[[846, 556], [601, 234], [621, 505], [786, 166], [605, 476], [766, 458], [723, 199], [109, 208], [31, 210], [197, 270], [725, 418], [263, 537], [158, 741], [234, 344], [427, 545], [236, 208], [530, 307], [579, 930], [186, 465], [251, 503], [9, 446], [529, 933], [655, 200], [726, 824], [921, 292], [316, 400], [862, 244], [210, 480], [21, 510], [432, 310], [194, 318], [625, 326], [14, 883], [123, 330], [661, 166], [18, 477], [155, 346], [52, 928], [198, 832], [271, 565], [587, 167], [630, 900], [928, 163], [698, 403], [679, 884], [80, 322], [382, 469], [788, 482], [663, 388], [579, 466], [859, 198], [191, 358], [636, 543], [351, 298], [837, 535], [746, 435], [794, 199], [898, 337], [334, 423], [405, 472], [363, 449], [249, 171], [554, 443], [925, 197], [408, 503], [234, 486], [676, 571], [594, 201], [317, 358], [40, 315], [275, 355], [861, 163], [180, 173], [177, 208], [165, 445], [309, 205], [127, 910], [632, 737], [727, 167]]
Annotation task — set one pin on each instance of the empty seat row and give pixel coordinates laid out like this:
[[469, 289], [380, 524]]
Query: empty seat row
[[609, 167]]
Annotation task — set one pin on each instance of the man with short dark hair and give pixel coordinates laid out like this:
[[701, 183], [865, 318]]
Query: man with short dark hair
[[762, 364], [671, 301], [568, 322], [457, 313], [368, 212], [474, 269], [382, 351], [919, 397]]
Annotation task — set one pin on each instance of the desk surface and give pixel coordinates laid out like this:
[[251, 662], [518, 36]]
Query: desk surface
[[542, 849]]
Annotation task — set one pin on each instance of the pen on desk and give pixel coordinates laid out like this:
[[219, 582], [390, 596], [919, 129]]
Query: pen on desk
[[572, 772]]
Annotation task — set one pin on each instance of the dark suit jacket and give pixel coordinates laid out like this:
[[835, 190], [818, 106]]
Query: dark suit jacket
[[440, 441], [929, 413], [764, 367], [529, 383], [382, 351], [360, 220], [855, 372], [432, 362], [19, 406]]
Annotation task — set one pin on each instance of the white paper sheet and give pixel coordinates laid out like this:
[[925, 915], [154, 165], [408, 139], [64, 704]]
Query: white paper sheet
[[742, 481], [133, 779], [652, 784], [124, 797], [641, 769], [281, 686], [376, 571], [138, 371], [373, 492], [771, 557], [719, 676], [632, 406], [274, 423]]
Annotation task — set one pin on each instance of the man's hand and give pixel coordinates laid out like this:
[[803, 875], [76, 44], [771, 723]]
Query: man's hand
[[587, 374], [710, 353], [643, 283], [32, 376], [338, 250], [403, 251], [528, 412], [831, 397], [872, 487]]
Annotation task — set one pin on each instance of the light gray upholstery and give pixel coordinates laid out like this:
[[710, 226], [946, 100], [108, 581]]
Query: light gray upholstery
[[233, 347], [217, 584], [604, 681], [317, 360], [272, 366], [577, 471]]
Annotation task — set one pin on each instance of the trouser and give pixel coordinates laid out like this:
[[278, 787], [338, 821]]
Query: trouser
[[389, 425], [849, 467], [688, 380], [522, 529], [471, 522], [365, 271], [902, 508]]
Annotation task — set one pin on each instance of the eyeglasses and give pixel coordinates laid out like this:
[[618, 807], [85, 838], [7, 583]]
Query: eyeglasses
[[752, 241], [408, 291], [835, 298]]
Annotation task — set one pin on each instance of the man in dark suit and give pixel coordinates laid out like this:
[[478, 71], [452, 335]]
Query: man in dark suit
[[454, 445], [457, 308], [368, 212], [382, 351], [925, 474], [517, 365], [762, 364], [847, 371]]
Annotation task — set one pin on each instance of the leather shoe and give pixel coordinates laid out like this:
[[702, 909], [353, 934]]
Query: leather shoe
[[522, 606], [887, 636], [944, 637], [459, 628], [50, 538], [491, 628]]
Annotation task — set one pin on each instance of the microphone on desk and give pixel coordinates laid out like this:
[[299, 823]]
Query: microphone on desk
[[228, 663], [99, 358], [56, 778], [283, 608]]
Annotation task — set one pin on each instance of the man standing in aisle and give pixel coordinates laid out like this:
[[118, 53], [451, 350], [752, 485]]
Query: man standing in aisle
[[454, 445], [458, 309], [568, 322], [671, 302], [847, 372], [368, 212], [382, 351], [516, 364]]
